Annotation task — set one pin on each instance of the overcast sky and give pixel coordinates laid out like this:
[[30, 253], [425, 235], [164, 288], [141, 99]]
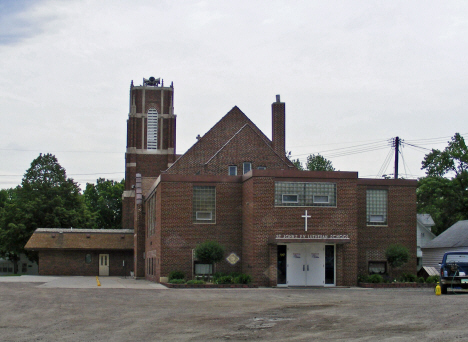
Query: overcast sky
[[352, 73]]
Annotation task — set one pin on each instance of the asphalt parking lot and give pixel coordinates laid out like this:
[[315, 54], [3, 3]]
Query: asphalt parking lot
[[76, 309]]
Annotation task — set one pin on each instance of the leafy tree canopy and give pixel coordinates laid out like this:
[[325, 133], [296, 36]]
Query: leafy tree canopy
[[443, 193], [104, 200], [397, 255], [45, 199], [209, 252], [316, 162]]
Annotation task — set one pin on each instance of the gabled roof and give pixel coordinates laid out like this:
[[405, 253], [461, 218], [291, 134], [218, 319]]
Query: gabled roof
[[219, 136], [426, 220], [67, 238], [455, 236]]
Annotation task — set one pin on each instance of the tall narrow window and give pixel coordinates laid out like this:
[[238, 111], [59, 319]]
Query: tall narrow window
[[204, 204], [232, 170], [152, 129], [376, 205], [247, 167]]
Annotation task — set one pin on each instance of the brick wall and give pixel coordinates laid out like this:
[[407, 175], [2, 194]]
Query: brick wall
[[401, 228], [72, 262]]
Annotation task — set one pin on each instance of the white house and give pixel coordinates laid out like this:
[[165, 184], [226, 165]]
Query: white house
[[424, 234], [454, 238]]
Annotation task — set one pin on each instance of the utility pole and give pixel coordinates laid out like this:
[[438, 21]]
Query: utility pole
[[397, 152]]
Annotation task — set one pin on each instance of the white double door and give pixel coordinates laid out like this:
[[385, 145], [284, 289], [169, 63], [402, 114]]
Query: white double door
[[305, 265]]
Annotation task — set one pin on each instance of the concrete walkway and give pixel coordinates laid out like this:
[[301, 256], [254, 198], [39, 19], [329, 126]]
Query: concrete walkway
[[77, 282]]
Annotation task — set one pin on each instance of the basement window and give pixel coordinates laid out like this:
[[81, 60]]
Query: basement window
[[377, 267]]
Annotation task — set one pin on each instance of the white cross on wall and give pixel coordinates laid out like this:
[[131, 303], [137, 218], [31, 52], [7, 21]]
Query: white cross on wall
[[306, 217]]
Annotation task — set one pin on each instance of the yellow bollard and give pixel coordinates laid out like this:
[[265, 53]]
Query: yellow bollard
[[98, 282], [437, 290]]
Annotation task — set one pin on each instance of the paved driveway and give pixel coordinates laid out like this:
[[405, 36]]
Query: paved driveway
[[83, 282], [75, 309]]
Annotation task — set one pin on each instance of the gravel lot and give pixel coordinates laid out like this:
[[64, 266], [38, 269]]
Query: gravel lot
[[37, 311]]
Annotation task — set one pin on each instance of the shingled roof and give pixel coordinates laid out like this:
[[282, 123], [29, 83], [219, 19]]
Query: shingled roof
[[72, 238], [455, 236]]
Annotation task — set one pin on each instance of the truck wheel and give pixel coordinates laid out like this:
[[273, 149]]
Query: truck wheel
[[443, 289]]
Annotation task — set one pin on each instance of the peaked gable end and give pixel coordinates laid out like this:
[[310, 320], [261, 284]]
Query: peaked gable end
[[208, 145]]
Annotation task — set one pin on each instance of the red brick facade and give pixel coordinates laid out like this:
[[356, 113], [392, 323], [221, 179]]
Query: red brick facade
[[139, 159], [281, 230], [248, 222], [66, 262]]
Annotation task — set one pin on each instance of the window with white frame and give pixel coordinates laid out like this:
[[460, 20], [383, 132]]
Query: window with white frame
[[152, 129], [232, 170], [305, 194], [247, 167], [376, 207], [204, 204], [261, 168]]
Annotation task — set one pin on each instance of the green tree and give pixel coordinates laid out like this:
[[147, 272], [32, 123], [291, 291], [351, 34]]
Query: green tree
[[443, 193], [316, 162], [297, 163], [104, 200], [209, 252], [397, 255], [45, 199]]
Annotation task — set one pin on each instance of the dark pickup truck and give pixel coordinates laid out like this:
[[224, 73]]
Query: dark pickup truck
[[454, 271]]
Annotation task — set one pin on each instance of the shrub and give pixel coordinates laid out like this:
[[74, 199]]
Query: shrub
[[362, 278], [421, 280], [209, 252], [432, 279], [243, 279], [224, 280], [176, 275], [407, 278], [375, 278], [218, 275], [195, 282], [397, 255], [177, 281]]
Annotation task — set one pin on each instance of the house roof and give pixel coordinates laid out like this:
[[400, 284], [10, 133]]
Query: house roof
[[215, 140], [455, 236], [426, 220], [72, 238]]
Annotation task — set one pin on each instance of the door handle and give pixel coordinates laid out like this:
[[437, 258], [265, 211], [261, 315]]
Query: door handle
[[303, 268], [307, 267]]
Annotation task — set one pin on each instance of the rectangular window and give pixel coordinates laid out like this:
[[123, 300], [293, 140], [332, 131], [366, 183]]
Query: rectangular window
[[321, 199], [152, 129], [204, 204], [203, 215], [377, 267], [203, 269], [376, 206], [289, 199], [301, 194], [261, 168], [232, 170], [151, 215], [247, 167]]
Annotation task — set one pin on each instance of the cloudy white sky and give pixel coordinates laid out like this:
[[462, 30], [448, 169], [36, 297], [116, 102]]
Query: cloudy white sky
[[352, 73]]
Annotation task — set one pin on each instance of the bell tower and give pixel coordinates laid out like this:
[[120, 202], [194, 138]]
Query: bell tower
[[151, 138]]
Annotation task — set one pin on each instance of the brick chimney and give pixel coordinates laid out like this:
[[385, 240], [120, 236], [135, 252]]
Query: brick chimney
[[278, 118]]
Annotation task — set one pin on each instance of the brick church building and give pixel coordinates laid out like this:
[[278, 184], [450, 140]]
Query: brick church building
[[282, 226]]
